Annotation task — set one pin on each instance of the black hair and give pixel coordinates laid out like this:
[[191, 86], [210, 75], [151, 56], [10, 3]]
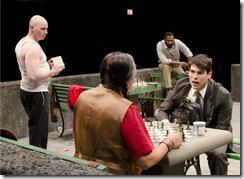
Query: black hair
[[116, 69], [168, 34]]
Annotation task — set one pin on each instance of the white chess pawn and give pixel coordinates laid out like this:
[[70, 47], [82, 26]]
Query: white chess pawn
[[143, 83], [139, 83], [166, 124], [156, 132]]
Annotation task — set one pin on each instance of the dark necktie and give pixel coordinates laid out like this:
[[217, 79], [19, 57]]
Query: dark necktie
[[198, 98]]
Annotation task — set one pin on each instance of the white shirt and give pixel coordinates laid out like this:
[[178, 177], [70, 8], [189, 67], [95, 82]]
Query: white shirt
[[192, 95], [25, 83], [167, 55]]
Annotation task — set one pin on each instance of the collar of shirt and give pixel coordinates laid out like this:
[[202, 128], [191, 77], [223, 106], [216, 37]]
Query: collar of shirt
[[191, 95]]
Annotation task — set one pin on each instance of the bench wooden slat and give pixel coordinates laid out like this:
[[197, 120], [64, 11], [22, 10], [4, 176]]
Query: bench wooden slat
[[158, 76], [61, 89], [60, 85], [234, 156], [61, 92], [151, 98], [63, 96], [63, 100], [65, 88]]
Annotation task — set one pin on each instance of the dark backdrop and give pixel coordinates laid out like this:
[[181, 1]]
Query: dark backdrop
[[82, 32]]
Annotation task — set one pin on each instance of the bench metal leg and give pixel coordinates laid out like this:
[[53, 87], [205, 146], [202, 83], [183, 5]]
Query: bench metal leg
[[195, 161], [54, 99], [147, 105], [62, 117]]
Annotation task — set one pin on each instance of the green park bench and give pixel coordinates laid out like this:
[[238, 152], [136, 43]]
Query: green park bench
[[151, 102], [235, 154], [158, 76], [59, 99]]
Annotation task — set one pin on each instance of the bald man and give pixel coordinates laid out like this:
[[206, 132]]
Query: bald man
[[36, 75]]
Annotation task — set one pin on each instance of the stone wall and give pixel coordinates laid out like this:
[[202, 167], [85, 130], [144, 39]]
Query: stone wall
[[12, 113], [14, 118], [236, 82]]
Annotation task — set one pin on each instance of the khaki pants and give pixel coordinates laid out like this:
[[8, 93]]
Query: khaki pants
[[166, 70]]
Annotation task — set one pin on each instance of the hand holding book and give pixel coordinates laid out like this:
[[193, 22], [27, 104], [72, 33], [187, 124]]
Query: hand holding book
[[58, 62]]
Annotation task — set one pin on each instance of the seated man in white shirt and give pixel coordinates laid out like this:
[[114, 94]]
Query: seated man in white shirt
[[168, 51]]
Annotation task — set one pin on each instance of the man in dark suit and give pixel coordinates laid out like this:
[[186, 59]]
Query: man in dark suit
[[215, 101]]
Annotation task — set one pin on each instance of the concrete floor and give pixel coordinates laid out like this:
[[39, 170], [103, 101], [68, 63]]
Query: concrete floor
[[65, 145]]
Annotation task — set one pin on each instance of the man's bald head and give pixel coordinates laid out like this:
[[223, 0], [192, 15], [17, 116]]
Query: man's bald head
[[37, 19], [38, 28]]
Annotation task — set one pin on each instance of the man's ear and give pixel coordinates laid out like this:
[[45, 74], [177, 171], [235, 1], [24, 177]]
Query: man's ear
[[210, 74]]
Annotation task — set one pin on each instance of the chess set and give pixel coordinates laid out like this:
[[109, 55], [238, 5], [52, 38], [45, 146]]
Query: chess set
[[140, 83], [159, 130]]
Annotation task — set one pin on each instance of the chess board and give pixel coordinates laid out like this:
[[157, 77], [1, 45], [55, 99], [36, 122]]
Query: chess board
[[158, 131]]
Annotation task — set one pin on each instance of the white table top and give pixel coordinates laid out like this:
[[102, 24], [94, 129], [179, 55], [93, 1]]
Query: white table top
[[195, 146]]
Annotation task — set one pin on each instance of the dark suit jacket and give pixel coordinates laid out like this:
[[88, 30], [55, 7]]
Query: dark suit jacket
[[217, 107]]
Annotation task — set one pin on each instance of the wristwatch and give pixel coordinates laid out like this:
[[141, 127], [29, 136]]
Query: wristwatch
[[167, 142]]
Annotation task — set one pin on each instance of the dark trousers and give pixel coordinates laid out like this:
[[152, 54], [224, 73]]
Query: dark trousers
[[217, 161], [154, 170], [37, 108]]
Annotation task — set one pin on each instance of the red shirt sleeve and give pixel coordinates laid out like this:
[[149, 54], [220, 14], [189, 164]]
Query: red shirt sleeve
[[135, 134], [73, 94]]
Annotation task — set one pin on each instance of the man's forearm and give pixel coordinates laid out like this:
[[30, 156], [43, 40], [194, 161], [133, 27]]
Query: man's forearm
[[39, 76], [189, 59], [174, 63]]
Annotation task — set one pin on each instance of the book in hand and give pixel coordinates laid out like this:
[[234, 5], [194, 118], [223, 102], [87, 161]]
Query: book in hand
[[58, 62]]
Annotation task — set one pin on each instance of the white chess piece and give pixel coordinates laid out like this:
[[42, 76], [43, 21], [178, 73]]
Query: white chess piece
[[156, 132]]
